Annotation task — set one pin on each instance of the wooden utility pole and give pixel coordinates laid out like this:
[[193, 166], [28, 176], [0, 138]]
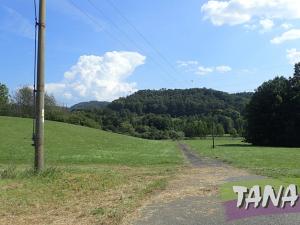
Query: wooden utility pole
[[40, 91], [213, 133]]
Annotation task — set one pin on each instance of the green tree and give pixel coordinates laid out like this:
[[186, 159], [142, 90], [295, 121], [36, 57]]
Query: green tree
[[219, 130], [297, 70], [126, 128], [266, 113], [3, 95], [50, 101], [233, 132], [23, 99], [292, 128], [273, 114]]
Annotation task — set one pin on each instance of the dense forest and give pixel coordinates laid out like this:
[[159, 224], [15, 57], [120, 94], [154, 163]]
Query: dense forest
[[89, 105], [178, 102], [160, 114]]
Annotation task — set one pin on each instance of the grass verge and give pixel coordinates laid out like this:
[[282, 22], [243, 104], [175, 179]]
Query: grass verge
[[268, 161]]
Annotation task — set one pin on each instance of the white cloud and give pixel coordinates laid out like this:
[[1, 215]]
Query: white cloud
[[220, 13], [223, 69], [204, 70], [14, 22], [290, 35], [234, 12], [266, 24], [98, 77], [293, 56], [286, 26], [54, 87], [195, 67], [181, 63]]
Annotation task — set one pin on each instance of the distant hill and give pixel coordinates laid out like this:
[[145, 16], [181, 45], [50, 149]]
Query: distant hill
[[89, 105], [182, 102], [166, 113]]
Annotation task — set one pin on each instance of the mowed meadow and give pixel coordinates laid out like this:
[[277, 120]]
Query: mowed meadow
[[92, 176], [276, 162]]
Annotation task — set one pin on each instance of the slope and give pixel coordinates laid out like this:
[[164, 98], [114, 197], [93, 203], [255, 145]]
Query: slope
[[65, 143]]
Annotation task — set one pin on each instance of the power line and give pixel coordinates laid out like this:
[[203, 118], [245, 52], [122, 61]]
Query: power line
[[34, 67], [35, 11], [141, 35], [106, 31], [116, 26], [101, 12], [98, 24]]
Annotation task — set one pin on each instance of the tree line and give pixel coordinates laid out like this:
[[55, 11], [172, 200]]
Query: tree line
[[21, 104]]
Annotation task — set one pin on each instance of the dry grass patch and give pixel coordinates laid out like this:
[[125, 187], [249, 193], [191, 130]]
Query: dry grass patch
[[78, 195]]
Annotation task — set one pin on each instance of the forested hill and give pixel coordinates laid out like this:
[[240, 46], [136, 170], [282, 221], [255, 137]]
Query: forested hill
[[182, 102], [89, 105], [152, 114]]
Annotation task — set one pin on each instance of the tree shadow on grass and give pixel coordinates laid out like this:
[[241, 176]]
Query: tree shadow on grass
[[236, 145], [256, 146]]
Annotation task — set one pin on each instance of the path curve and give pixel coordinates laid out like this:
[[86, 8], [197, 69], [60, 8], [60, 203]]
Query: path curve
[[192, 198]]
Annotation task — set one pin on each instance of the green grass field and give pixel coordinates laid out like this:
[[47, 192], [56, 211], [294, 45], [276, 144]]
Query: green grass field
[[97, 177], [92, 176], [70, 144], [268, 161]]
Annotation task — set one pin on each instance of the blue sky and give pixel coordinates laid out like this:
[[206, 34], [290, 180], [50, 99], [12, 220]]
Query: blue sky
[[93, 53]]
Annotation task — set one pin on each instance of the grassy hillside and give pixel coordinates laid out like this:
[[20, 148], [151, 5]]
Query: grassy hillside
[[269, 161], [65, 143], [92, 175]]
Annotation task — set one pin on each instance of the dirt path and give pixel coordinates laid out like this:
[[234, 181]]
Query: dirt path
[[192, 198]]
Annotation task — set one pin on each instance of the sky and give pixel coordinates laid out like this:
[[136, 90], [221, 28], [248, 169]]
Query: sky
[[106, 49]]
